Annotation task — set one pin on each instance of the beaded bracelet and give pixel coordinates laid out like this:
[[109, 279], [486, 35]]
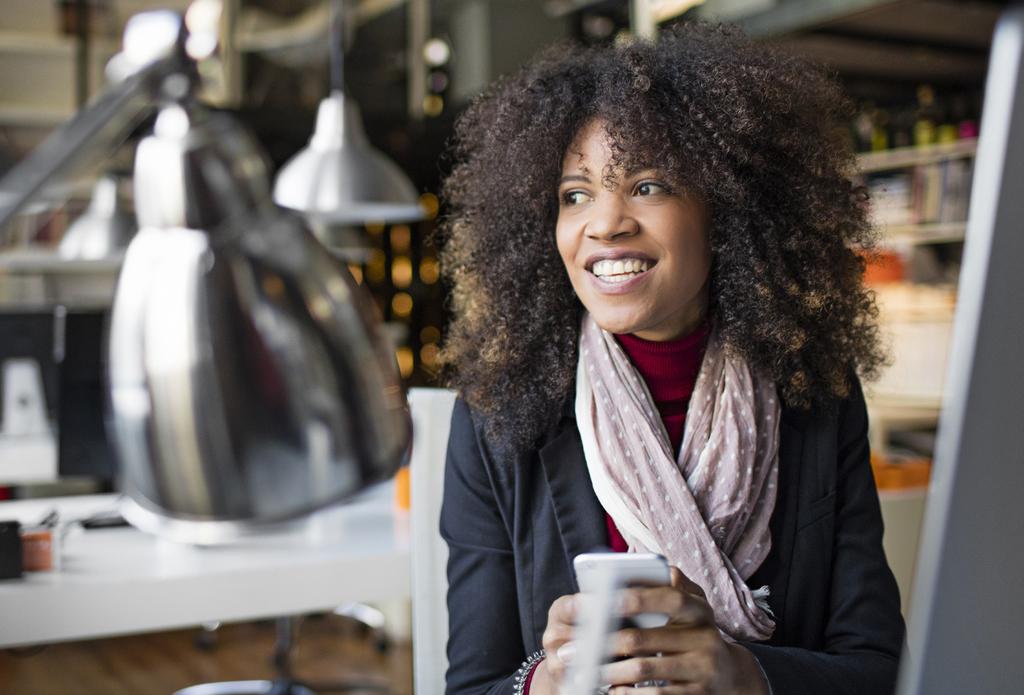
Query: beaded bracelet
[[523, 674]]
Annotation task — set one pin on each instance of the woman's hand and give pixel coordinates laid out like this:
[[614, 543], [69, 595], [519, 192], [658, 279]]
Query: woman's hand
[[687, 655], [547, 679]]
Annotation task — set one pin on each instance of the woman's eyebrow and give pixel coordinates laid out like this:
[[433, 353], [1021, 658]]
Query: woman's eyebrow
[[642, 170], [575, 177]]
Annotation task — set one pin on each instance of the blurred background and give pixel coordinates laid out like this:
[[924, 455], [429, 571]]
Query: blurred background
[[914, 68]]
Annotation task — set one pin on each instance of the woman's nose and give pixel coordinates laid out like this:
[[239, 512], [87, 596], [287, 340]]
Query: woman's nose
[[609, 219]]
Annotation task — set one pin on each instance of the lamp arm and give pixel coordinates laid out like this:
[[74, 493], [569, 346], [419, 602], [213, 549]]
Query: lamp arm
[[97, 129]]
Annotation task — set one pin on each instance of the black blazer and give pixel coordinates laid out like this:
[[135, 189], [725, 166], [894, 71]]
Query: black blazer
[[514, 523]]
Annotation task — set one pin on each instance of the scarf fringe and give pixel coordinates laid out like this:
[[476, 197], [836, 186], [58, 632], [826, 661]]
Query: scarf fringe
[[761, 599]]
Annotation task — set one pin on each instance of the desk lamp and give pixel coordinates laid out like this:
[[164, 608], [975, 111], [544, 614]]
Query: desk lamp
[[248, 381]]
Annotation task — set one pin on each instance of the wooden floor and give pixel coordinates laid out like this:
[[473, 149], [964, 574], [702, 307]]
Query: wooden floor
[[327, 649]]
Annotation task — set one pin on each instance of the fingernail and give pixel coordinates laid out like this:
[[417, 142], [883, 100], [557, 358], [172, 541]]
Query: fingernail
[[566, 652]]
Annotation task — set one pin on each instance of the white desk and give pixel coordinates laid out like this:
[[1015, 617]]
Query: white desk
[[120, 580]]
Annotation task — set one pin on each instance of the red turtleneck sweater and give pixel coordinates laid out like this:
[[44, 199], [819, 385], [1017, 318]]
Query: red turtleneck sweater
[[669, 368]]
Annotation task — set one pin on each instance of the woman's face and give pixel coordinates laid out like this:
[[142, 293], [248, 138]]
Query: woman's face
[[637, 254]]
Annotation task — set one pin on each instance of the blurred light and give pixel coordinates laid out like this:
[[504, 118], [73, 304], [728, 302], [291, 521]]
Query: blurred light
[[320, 307], [401, 305], [430, 205], [401, 271], [430, 334], [428, 355], [375, 228], [401, 238], [428, 271], [597, 26], [433, 105], [375, 271], [436, 52], [663, 10], [357, 272], [337, 288], [203, 21], [437, 81], [405, 361], [273, 286]]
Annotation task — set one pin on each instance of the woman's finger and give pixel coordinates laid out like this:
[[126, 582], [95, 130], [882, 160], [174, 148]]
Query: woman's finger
[[692, 667], [668, 689], [555, 635], [671, 639], [681, 581], [563, 610], [681, 607]]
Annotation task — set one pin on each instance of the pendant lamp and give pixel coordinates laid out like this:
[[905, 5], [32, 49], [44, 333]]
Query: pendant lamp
[[339, 178], [103, 230]]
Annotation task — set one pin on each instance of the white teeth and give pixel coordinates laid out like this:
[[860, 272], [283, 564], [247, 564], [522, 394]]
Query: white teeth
[[608, 269]]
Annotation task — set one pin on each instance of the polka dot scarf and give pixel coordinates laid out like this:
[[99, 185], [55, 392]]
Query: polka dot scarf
[[708, 512]]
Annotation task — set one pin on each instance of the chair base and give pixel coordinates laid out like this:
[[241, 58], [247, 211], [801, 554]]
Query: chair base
[[254, 687], [280, 687]]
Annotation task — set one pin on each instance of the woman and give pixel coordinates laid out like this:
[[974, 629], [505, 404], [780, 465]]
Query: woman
[[658, 325]]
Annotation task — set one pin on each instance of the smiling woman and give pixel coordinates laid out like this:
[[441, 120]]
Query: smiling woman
[[658, 326], [636, 249], [751, 133]]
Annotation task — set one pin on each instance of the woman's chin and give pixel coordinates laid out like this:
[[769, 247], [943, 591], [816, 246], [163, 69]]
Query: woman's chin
[[616, 325]]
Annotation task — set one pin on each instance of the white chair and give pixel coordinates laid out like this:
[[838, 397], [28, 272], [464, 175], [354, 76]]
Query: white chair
[[431, 421]]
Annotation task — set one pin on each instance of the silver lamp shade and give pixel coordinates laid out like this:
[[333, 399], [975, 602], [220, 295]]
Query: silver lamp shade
[[103, 230], [339, 178], [249, 384]]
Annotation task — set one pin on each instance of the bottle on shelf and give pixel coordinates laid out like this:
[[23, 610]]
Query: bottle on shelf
[[863, 127], [880, 130], [925, 125], [902, 128]]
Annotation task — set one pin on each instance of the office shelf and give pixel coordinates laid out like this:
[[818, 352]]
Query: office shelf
[[904, 157], [935, 233]]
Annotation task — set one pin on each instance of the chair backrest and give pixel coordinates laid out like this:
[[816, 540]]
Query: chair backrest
[[431, 421]]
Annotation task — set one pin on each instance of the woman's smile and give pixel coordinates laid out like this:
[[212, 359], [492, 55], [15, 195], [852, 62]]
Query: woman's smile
[[619, 277]]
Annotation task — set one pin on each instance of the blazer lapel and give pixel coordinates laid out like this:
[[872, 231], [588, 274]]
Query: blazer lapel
[[778, 565], [580, 517]]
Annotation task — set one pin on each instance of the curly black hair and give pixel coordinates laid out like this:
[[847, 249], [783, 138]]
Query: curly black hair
[[755, 132]]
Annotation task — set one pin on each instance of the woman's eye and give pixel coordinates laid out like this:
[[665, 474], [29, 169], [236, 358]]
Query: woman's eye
[[573, 197], [650, 188]]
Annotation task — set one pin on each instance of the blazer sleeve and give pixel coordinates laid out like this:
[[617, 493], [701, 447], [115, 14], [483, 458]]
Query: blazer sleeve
[[864, 631], [485, 645]]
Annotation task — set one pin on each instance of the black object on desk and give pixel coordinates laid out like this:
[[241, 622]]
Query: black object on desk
[[10, 550], [69, 346], [84, 449]]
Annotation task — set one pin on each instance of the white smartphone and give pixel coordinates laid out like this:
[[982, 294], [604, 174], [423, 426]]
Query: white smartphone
[[627, 569]]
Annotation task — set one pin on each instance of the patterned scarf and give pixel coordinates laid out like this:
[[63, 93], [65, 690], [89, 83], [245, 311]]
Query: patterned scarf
[[708, 512]]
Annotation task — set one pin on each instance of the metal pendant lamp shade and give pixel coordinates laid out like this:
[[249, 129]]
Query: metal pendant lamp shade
[[249, 382], [103, 230], [339, 178]]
